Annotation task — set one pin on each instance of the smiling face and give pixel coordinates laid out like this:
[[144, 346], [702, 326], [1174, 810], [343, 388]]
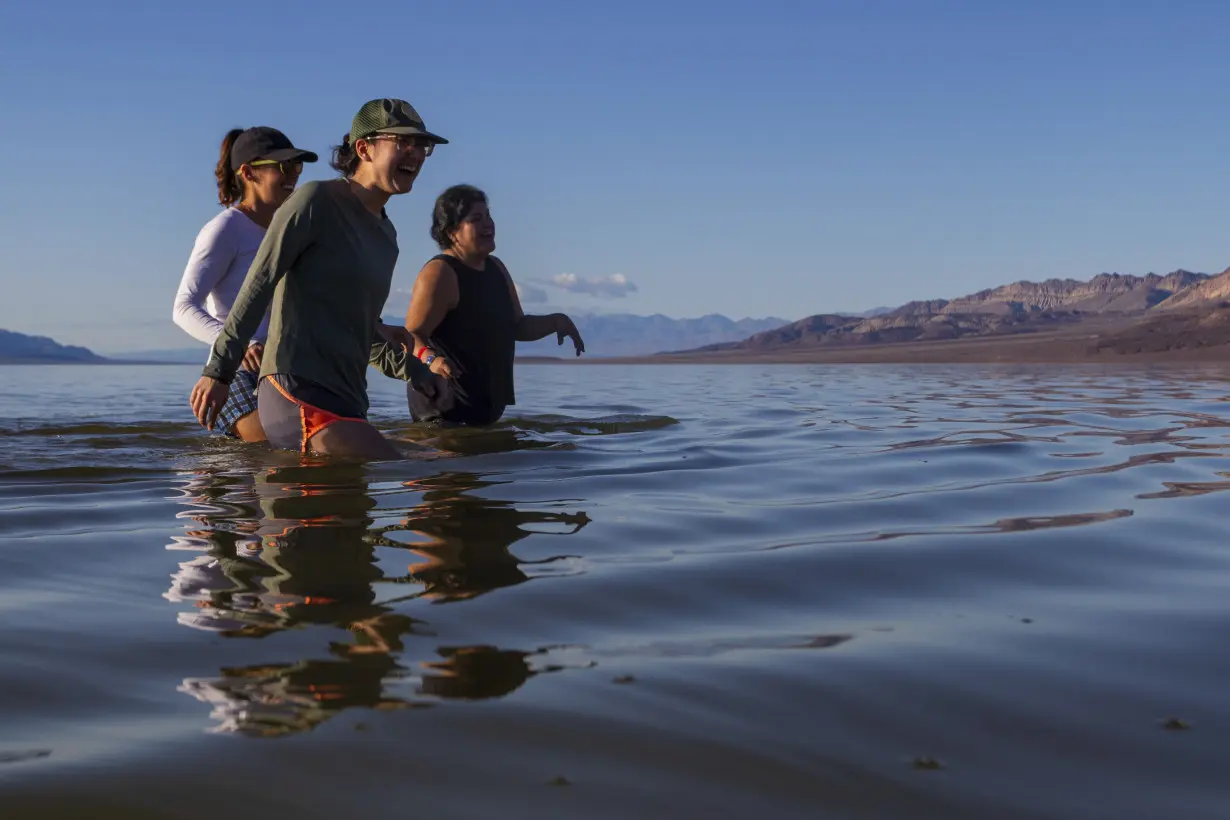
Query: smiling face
[[270, 182], [475, 236], [392, 161]]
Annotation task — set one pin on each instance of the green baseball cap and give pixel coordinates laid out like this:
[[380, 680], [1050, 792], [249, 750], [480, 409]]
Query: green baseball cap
[[390, 116]]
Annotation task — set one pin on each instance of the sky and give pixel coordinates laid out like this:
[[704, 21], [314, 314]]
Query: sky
[[684, 158]]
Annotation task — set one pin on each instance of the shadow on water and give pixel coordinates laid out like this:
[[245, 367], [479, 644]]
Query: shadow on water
[[294, 549]]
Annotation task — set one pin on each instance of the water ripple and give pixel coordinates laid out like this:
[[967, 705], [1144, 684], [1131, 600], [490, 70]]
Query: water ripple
[[873, 591]]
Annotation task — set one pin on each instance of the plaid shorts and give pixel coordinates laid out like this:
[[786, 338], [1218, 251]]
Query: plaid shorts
[[240, 403]]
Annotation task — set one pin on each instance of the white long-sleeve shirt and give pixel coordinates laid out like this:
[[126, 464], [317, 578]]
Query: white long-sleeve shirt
[[223, 251]]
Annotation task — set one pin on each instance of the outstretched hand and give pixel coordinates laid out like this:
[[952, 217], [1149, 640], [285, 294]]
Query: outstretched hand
[[564, 328]]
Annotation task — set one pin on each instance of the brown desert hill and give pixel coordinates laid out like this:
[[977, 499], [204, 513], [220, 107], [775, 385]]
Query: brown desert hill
[[896, 327], [1020, 307], [1213, 289], [1106, 292], [1193, 328], [1110, 314]]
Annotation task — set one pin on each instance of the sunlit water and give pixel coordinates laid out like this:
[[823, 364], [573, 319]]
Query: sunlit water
[[950, 592]]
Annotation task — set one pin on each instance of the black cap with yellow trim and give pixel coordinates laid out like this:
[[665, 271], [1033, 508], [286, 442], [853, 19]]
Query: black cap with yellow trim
[[263, 142]]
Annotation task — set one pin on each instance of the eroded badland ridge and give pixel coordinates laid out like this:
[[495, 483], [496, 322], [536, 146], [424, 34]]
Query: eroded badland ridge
[[1179, 314]]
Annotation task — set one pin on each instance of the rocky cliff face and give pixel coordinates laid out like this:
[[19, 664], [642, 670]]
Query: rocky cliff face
[[1020, 307], [1214, 289], [825, 331], [1107, 292]]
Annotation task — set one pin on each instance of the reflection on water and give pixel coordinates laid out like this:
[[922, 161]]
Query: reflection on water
[[463, 541], [294, 548], [819, 578]]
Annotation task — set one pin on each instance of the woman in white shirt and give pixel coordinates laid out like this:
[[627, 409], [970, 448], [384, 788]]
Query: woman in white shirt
[[257, 170]]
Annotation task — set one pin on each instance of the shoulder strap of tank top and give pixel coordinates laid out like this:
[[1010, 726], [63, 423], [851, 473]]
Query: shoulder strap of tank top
[[459, 267], [451, 261]]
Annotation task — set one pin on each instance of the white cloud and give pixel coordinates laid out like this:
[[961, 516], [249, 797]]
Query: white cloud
[[398, 302], [530, 294], [615, 286]]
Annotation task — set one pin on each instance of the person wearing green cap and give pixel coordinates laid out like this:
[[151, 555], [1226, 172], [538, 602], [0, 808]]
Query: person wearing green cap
[[324, 270]]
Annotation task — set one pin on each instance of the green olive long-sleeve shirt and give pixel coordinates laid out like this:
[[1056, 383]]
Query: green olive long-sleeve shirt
[[326, 265]]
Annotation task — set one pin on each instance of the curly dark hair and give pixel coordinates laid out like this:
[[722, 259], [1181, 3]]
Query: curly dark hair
[[451, 209], [345, 160]]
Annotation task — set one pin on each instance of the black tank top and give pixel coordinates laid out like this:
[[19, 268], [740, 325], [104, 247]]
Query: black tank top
[[479, 339]]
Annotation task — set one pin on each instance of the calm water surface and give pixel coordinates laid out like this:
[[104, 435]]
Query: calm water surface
[[851, 592]]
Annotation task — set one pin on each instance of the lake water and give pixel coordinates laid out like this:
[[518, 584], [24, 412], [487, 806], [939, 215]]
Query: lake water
[[654, 591]]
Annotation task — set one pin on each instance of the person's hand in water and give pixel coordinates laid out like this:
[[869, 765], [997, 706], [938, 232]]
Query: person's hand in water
[[252, 359], [207, 399], [565, 328]]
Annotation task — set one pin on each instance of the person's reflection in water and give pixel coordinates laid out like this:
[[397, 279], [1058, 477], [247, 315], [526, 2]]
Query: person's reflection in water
[[476, 672], [278, 699], [218, 580], [465, 540], [293, 553], [307, 562], [295, 549]]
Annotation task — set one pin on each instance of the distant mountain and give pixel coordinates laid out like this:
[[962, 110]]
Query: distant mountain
[[1105, 293], [1020, 307], [875, 311], [625, 334], [18, 348], [1214, 289]]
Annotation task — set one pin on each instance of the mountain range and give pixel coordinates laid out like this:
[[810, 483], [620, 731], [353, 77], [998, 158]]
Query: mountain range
[[1113, 313], [18, 348], [1112, 302]]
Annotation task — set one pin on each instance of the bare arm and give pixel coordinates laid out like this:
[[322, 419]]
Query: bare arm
[[532, 327], [434, 294]]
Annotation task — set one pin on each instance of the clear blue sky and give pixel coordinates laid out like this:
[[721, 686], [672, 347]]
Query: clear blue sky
[[752, 159]]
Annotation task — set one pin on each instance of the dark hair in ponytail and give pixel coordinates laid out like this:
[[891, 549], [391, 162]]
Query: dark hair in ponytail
[[345, 161], [230, 188]]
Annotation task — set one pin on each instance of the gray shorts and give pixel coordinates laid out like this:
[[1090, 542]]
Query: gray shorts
[[293, 410]]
